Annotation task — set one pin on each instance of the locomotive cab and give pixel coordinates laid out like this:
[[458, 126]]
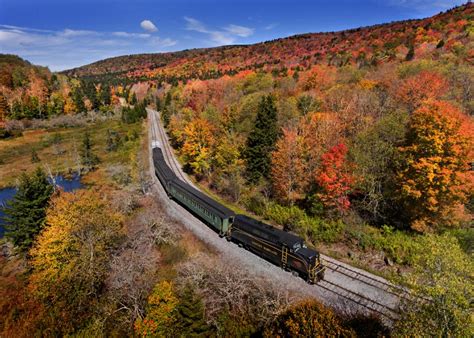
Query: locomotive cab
[[315, 268]]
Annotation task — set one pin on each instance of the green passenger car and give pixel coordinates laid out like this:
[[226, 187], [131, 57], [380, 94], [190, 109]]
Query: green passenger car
[[211, 212]]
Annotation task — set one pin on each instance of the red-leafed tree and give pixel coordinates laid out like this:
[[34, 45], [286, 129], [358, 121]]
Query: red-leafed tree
[[418, 88], [334, 179]]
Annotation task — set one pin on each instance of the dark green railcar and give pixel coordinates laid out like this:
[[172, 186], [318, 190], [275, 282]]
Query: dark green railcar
[[211, 212], [162, 171]]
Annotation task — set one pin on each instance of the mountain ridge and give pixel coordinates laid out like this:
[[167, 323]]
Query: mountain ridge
[[362, 46]]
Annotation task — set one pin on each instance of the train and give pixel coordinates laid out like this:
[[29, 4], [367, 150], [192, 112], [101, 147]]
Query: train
[[279, 247]]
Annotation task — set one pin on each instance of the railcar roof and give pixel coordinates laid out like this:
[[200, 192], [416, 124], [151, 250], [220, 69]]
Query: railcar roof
[[159, 161], [283, 236], [218, 208]]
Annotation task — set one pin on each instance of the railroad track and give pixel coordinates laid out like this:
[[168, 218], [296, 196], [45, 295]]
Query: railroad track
[[389, 311], [161, 137], [367, 279], [359, 299]]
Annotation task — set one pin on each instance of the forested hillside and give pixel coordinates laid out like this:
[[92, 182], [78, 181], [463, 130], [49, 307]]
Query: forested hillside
[[445, 34]]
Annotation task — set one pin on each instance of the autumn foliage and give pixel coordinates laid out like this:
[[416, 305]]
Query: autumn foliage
[[71, 256], [420, 87], [289, 168], [334, 178], [435, 176], [307, 319]]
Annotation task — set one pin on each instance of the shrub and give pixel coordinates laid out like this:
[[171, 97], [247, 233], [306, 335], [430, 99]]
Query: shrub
[[290, 217], [307, 319]]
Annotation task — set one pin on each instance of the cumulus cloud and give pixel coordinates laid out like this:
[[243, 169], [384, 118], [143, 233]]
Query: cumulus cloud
[[68, 48], [225, 36], [148, 26]]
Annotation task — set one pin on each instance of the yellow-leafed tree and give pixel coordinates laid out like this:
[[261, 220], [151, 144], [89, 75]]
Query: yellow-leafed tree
[[69, 261], [434, 175]]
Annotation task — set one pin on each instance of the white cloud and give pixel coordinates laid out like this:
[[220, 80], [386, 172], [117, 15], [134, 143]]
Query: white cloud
[[271, 26], [148, 26], [73, 33], [131, 35], [195, 25], [239, 30], [167, 42], [226, 36], [423, 5]]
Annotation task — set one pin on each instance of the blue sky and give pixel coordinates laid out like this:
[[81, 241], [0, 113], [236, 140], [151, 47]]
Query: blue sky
[[62, 34]]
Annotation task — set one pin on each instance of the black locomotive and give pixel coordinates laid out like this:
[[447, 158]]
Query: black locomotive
[[279, 247]]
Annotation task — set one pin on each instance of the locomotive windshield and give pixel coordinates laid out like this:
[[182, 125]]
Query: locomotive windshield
[[296, 246]]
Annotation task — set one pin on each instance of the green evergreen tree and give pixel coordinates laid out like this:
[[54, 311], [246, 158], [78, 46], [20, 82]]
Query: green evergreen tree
[[158, 104], [261, 140], [4, 108], [34, 157], [113, 140], [105, 95], [190, 315], [166, 110], [88, 158], [91, 92], [411, 53], [133, 99], [26, 212], [78, 101]]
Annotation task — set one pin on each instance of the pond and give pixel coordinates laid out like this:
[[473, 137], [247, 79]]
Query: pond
[[8, 193]]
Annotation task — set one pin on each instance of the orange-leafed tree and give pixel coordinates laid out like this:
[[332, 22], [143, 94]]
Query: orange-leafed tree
[[320, 132], [318, 78], [334, 179], [198, 142], [289, 174], [434, 175], [420, 87]]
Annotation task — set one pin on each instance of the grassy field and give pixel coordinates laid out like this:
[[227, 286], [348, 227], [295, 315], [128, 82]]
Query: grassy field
[[59, 149]]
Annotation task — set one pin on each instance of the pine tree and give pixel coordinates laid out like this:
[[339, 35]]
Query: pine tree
[[411, 53], [166, 113], [91, 93], [78, 101], [262, 139], [158, 104], [27, 211], [133, 99], [88, 158], [105, 95], [190, 315], [34, 157], [4, 110]]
